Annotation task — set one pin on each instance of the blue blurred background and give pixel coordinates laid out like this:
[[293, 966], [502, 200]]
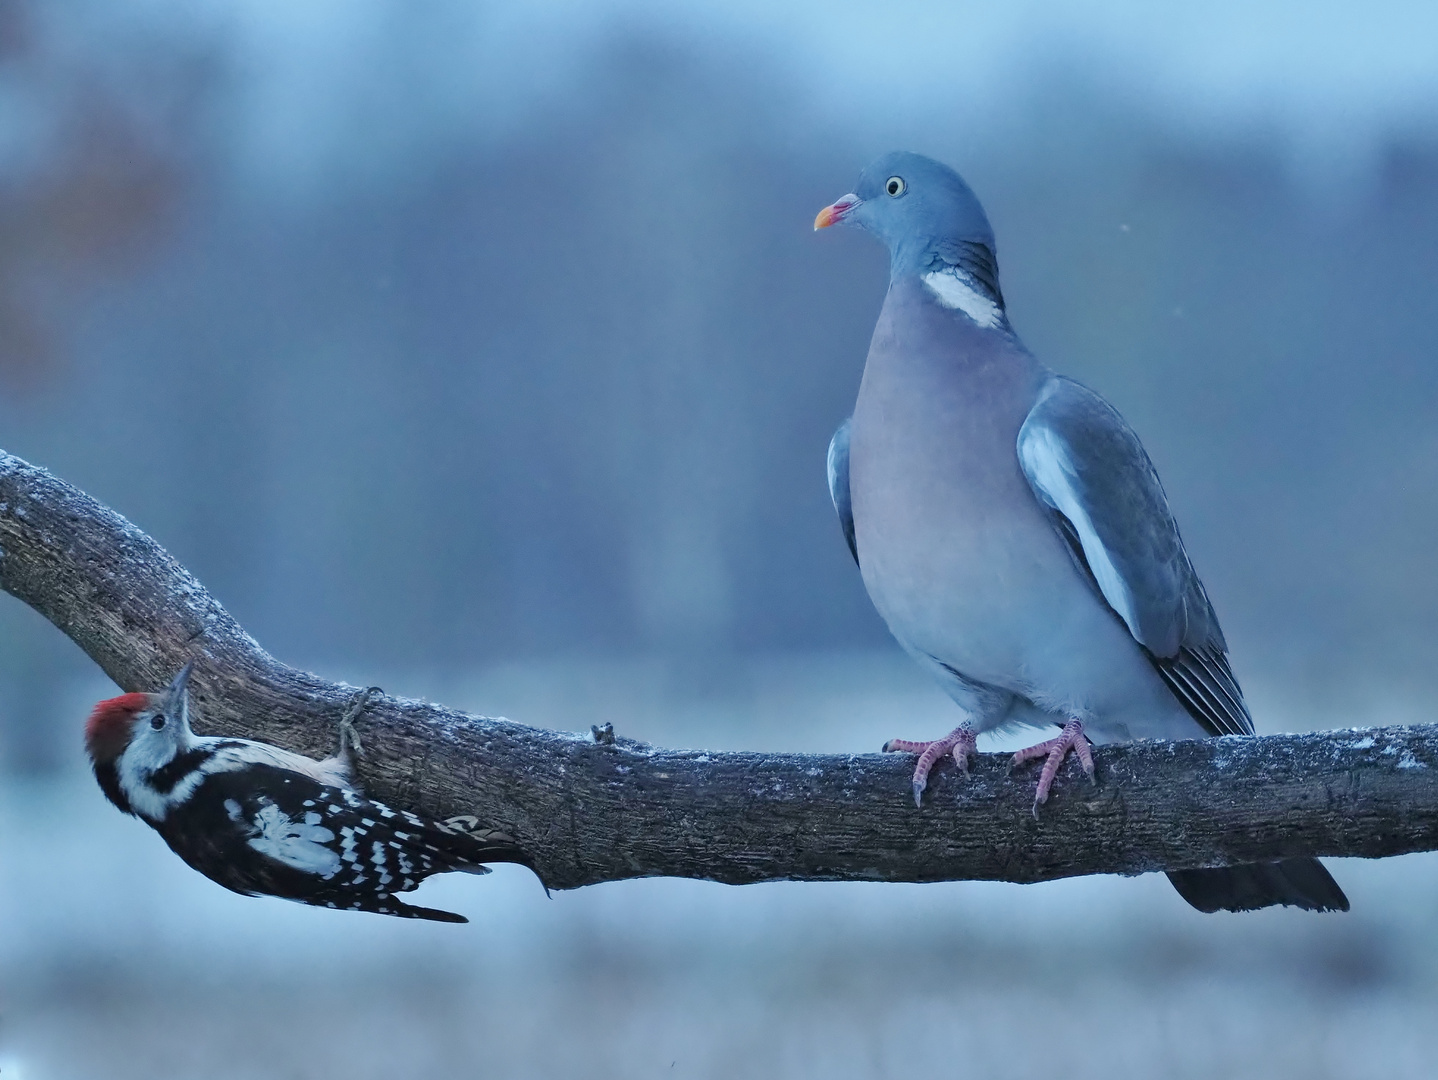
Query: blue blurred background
[[485, 352]]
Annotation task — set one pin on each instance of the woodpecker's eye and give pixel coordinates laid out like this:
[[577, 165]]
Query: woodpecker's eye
[[157, 721], [895, 186]]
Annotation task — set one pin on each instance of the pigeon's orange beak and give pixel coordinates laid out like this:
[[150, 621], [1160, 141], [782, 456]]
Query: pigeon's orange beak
[[837, 212]]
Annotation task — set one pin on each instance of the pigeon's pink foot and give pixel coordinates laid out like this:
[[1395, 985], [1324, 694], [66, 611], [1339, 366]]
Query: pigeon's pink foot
[[1054, 751], [959, 742]]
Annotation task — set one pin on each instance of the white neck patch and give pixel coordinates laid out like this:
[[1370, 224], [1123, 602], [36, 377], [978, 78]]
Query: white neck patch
[[955, 289]]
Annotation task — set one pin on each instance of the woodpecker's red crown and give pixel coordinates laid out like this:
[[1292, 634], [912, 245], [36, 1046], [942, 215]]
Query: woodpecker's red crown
[[108, 730]]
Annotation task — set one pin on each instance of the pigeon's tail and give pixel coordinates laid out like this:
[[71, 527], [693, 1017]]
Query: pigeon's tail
[[1300, 883]]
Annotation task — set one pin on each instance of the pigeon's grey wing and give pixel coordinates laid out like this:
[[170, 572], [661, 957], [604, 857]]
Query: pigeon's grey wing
[[839, 485], [1088, 468]]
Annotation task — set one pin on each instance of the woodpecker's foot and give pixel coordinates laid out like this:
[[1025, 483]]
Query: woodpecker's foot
[[350, 745], [1054, 751], [959, 742]]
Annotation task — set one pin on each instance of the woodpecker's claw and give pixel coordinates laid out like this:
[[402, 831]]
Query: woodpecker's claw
[[350, 744]]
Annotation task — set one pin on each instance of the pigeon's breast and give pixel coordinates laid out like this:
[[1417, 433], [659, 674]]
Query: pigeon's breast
[[956, 552]]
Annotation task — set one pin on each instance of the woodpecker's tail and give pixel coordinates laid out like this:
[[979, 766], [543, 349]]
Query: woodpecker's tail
[[457, 849], [475, 858], [1300, 883], [468, 847]]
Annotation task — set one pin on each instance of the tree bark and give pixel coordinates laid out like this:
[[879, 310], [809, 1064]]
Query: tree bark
[[588, 811]]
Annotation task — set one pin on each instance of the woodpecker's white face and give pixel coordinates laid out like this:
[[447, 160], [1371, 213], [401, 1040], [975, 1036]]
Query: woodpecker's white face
[[159, 733], [134, 737]]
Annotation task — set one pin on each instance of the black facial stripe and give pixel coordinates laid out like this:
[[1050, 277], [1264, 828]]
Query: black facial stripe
[[164, 779], [110, 784]]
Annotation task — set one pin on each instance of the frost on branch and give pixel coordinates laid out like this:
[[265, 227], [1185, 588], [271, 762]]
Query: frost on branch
[[588, 810]]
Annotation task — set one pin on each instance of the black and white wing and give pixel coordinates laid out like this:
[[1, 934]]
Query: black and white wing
[[839, 485], [268, 831], [1088, 468]]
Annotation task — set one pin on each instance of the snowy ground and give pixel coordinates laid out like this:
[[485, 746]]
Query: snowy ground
[[118, 962]]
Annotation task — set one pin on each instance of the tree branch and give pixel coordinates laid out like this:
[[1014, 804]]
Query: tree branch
[[588, 811]]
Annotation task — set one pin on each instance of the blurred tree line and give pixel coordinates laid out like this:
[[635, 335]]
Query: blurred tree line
[[566, 386]]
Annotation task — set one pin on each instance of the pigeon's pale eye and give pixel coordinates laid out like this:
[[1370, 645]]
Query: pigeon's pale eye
[[157, 721], [894, 186]]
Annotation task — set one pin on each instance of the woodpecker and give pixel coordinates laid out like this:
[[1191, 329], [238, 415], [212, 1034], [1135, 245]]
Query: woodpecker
[[262, 821]]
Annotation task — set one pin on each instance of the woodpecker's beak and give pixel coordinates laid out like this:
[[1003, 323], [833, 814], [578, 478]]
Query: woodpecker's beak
[[836, 212], [177, 697]]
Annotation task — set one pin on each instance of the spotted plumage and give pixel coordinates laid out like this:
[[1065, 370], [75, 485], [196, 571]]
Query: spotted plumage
[[262, 821]]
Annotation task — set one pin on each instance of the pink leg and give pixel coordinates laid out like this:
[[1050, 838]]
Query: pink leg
[[1054, 751], [960, 742]]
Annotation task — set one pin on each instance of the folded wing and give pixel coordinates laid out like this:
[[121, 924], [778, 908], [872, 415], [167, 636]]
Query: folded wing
[[1087, 467], [839, 485]]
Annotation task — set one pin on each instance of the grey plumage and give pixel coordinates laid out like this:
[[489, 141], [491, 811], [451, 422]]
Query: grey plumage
[[839, 485], [1118, 518], [1010, 527]]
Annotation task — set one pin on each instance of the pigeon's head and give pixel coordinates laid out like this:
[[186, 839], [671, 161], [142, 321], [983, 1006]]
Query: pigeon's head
[[919, 207]]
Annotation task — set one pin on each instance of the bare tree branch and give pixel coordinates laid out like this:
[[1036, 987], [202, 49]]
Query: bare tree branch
[[590, 811]]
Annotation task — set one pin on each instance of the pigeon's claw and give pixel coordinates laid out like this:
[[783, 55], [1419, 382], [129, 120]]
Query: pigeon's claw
[[960, 742], [1054, 751]]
